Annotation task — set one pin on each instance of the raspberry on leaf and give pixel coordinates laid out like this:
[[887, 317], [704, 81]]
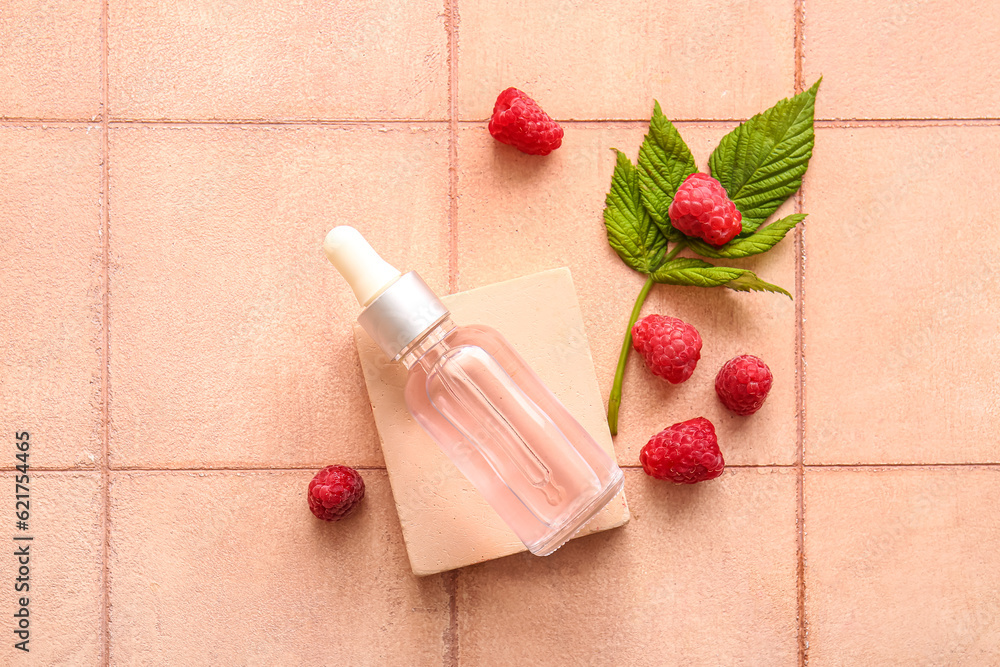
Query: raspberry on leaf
[[701, 208]]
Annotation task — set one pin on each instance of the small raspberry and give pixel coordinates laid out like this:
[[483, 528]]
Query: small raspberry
[[702, 208], [684, 453], [335, 491], [518, 121], [671, 347], [742, 384]]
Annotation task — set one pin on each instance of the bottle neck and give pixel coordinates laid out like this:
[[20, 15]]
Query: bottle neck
[[404, 313], [417, 349]]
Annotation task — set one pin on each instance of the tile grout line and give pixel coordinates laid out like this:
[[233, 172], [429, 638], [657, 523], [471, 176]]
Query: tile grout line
[[49, 122], [800, 437], [800, 264], [269, 123], [903, 466], [451, 20], [105, 367], [797, 38], [450, 657], [450, 638], [348, 122], [311, 469]]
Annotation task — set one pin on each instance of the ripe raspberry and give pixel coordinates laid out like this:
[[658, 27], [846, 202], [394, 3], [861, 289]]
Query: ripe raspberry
[[671, 347], [742, 384], [335, 491], [702, 208], [684, 453], [518, 121]]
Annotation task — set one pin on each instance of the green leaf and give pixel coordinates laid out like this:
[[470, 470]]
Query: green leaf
[[664, 163], [695, 272], [761, 162], [630, 232], [692, 272], [760, 241], [748, 282]]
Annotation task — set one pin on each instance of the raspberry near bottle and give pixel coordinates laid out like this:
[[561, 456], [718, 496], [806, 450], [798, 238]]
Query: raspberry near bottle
[[477, 398]]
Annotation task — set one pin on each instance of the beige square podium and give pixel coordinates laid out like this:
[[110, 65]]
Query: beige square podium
[[446, 523]]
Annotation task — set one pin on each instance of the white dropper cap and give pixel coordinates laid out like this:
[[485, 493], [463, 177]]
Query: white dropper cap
[[398, 309], [362, 268]]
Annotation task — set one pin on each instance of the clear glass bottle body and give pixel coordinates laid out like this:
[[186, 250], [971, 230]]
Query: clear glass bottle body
[[508, 434]]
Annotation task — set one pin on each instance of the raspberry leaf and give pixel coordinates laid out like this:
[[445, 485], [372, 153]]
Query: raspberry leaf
[[664, 162], [760, 241], [630, 231], [761, 162], [693, 272]]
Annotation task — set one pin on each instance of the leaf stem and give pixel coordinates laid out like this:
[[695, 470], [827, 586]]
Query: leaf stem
[[673, 253], [615, 399]]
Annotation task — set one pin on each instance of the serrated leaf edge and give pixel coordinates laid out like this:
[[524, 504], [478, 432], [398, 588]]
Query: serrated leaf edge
[[623, 200], [740, 144]]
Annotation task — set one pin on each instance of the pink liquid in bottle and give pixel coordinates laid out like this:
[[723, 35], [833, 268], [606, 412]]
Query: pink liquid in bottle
[[508, 434]]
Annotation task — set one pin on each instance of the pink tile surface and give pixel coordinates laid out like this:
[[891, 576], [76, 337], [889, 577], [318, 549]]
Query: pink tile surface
[[278, 59], [64, 583], [901, 315], [50, 306], [215, 586], [516, 214], [609, 60], [641, 595], [900, 566], [50, 59], [904, 58], [231, 341]]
